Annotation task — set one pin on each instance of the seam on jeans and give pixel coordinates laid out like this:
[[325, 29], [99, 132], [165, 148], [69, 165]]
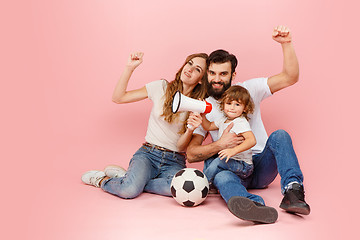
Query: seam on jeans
[[163, 160]]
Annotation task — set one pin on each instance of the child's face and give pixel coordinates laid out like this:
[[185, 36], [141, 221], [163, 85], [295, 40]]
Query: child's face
[[233, 109]]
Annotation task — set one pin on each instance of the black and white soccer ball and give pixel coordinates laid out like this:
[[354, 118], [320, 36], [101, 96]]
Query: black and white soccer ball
[[189, 187]]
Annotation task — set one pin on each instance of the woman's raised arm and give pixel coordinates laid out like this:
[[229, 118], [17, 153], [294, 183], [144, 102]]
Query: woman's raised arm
[[120, 94]]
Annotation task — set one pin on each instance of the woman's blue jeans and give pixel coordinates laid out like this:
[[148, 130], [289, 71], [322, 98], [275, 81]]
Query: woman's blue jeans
[[278, 156], [150, 170]]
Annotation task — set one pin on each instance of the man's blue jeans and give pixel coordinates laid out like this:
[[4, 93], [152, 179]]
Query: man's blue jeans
[[278, 156], [150, 170]]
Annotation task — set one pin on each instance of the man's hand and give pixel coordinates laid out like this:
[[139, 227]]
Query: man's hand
[[281, 34], [228, 139]]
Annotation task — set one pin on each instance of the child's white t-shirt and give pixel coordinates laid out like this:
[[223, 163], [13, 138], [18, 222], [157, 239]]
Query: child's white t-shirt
[[241, 125]]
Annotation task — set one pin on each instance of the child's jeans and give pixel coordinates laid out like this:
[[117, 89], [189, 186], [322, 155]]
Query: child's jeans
[[240, 168]]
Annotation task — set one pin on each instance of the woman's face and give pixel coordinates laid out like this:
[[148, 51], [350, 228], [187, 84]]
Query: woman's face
[[193, 71]]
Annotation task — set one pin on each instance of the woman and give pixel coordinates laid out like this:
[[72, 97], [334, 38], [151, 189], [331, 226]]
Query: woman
[[153, 166]]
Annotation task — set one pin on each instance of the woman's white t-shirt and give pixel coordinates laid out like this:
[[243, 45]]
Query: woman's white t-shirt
[[160, 132]]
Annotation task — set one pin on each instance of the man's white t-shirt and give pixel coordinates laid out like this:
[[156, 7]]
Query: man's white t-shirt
[[241, 125], [259, 90], [160, 132]]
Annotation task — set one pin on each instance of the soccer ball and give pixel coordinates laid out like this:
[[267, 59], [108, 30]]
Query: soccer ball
[[189, 187]]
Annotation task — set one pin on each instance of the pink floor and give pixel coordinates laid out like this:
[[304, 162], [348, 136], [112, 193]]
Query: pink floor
[[65, 208]]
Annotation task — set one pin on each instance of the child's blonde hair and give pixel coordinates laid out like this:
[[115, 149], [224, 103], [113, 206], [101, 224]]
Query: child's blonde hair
[[241, 95]]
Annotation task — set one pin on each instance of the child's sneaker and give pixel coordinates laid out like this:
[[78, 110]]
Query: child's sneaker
[[114, 171], [93, 177]]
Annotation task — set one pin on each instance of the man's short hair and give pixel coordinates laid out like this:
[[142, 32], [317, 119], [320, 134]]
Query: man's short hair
[[222, 56]]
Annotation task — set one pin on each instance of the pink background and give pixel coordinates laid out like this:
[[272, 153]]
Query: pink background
[[59, 63]]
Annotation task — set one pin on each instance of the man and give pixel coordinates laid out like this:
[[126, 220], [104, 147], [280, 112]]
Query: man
[[271, 154]]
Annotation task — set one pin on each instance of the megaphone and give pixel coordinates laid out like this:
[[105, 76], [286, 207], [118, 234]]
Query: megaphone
[[182, 103]]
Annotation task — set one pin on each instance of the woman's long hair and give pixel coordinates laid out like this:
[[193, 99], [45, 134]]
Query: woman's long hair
[[199, 91]]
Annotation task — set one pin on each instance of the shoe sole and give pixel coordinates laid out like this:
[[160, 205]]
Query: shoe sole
[[296, 209], [246, 209]]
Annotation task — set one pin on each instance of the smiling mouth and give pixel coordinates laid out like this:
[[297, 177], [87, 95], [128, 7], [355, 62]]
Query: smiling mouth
[[187, 74], [217, 85]]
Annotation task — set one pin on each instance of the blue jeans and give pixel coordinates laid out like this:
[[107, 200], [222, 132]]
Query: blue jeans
[[150, 170], [240, 168], [278, 156]]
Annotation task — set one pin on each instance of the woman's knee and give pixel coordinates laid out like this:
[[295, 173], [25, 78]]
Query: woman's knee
[[129, 192], [122, 189]]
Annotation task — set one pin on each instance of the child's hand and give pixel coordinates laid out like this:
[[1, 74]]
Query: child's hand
[[194, 120], [226, 154], [135, 59]]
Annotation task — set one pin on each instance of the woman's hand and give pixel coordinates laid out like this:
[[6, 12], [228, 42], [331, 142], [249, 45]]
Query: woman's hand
[[134, 60], [194, 120]]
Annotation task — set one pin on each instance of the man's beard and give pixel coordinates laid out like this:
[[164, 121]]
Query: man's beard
[[217, 93]]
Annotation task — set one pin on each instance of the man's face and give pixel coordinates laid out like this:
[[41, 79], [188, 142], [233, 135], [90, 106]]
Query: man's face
[[219, 78]]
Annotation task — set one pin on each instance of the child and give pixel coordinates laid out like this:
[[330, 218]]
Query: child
[[236, 104]]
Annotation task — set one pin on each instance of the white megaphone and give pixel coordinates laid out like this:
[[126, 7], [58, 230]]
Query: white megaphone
[[182, 103]]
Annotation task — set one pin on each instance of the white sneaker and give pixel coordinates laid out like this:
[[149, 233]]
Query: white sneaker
[[93, 177], [114, 171]]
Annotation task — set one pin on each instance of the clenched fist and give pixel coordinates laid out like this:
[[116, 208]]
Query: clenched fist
[[135, 59], [281, 34]]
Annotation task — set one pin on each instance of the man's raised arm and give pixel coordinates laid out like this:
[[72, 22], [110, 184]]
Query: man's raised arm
[[290, 72]]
